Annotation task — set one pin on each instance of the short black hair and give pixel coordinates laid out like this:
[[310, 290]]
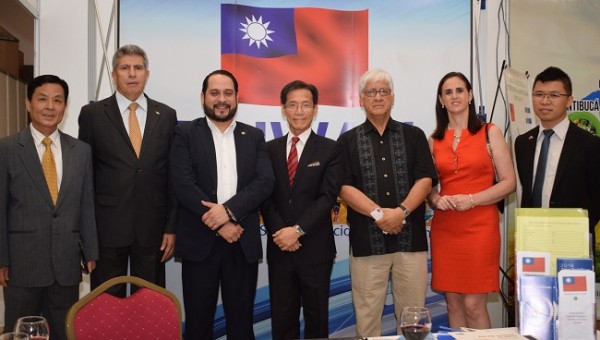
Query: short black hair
[[46, 79], [553, 73], [221, 72], [299, 85]]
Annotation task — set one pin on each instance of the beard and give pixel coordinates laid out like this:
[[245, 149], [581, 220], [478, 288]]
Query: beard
[[210, 113]]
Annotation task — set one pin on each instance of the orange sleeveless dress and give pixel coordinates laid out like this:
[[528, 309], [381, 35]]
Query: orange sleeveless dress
[[465, 246]]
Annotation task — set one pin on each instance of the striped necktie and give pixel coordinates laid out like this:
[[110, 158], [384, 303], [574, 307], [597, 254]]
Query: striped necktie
[[292, 161]]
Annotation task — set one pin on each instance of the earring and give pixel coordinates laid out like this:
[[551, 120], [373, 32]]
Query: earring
[[443, 106], [469, 102]]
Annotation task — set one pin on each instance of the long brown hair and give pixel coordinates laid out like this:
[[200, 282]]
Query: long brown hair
[[474, 124]]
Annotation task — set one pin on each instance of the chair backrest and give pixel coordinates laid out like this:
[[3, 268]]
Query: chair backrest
[[152, 312]]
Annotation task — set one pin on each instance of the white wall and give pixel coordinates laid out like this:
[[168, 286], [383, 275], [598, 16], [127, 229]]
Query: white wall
[[63, 50]]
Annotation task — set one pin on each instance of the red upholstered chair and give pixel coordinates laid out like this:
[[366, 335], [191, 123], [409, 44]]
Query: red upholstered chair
[[152, 312]]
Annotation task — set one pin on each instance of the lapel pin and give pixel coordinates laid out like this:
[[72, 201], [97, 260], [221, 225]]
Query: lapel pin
[[243, 132], [530, 137], [157, 113]]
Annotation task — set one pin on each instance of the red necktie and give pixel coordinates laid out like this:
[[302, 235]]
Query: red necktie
[[292, 161]]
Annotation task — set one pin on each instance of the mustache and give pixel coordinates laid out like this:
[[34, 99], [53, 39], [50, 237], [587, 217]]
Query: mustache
[[210, 112]]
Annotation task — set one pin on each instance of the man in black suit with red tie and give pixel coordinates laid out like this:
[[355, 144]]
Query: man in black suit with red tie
[[571, 163], [301, 248]]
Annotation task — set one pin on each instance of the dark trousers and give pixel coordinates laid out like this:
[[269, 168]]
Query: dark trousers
[[144, 262], [52, 302], [293, 285], [226, 266]]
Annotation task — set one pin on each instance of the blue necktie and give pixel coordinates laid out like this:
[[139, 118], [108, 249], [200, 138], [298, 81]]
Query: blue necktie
[[540, 173]]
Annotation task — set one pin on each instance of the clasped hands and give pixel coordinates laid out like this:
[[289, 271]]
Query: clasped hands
[[217, 218], [392, 222], [287, 239], [459, 202]]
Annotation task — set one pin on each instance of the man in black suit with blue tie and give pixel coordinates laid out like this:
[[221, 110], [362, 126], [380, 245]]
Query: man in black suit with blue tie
[[46, 209], [572, 156], [301, 248], [221, 173]]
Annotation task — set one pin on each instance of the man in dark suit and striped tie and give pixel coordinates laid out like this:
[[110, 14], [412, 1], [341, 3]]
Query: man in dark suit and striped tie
[[301, 248]]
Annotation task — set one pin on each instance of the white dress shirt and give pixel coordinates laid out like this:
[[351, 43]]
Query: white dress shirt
[[38, 137], [299, 145], [140, 112], [226, 161], [557, 140]]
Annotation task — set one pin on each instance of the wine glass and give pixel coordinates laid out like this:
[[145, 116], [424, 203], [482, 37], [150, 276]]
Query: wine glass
[[415, 323], [34, 326], [14, 336]]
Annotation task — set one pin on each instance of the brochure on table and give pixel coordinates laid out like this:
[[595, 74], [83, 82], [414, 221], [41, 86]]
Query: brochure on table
[[576, 312], [559, 231]]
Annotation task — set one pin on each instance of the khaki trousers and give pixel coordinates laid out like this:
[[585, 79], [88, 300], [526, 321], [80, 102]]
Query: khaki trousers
[[370, 276]]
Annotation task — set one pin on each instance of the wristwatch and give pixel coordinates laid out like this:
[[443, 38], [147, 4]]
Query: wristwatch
[[299, 230], [405, 210]]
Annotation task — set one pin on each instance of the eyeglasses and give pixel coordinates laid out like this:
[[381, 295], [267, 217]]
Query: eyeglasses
[[292, 107], [551, 95], [373, 92]]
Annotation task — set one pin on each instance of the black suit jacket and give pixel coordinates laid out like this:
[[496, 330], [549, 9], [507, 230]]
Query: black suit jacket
[[308, 202], [194, 177], [133, 199], [576, 184]]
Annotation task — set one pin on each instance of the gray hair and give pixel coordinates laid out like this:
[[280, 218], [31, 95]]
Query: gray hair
[[375, 75], [133, 50]]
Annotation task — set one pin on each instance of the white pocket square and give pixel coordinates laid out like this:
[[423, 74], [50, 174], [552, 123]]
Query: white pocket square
[[310, 165]]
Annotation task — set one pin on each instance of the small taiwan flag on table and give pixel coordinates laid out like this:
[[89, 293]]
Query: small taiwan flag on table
[[574, 284], [533, 265]]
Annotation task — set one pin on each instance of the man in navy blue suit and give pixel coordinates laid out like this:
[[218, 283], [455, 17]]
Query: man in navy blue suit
[[221, 173]]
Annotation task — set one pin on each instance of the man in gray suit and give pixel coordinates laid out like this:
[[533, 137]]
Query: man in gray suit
[[46, 210]]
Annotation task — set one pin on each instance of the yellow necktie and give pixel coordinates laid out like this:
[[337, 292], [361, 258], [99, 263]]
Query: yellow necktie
[[135, 134], [49, 168]]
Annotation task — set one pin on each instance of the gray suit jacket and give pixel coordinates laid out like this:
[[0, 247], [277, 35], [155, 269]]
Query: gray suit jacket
[[38, 241]]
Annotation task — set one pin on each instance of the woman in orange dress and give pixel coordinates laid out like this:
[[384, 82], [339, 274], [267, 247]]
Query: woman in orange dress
[[465, 233]]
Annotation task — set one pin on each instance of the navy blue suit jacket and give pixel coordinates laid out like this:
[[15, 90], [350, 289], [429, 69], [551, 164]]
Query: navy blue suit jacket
[[193, 171]]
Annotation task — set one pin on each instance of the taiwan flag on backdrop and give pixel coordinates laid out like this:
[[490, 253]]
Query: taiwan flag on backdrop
[[266, 48], [574, 284], [533, 265]]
